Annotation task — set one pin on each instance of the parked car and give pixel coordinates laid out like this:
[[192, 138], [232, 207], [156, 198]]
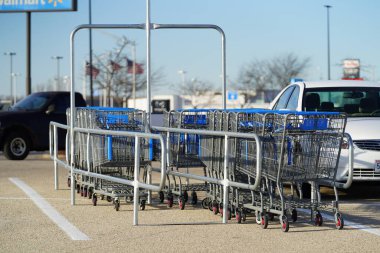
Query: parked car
[[360, 100], [25, 126]]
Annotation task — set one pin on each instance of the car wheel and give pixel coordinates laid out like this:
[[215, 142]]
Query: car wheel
[[16, 146]]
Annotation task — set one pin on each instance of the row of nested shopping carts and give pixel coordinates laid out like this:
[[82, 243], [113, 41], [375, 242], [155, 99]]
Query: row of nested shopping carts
[[297, 148], [109, 155]]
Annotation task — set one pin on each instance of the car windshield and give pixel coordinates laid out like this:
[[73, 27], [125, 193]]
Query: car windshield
[[355, 101], [33, 102]]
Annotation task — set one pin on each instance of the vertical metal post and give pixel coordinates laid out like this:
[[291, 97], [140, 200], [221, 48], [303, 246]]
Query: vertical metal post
[[225, 181], [11, 74], [56, 186], [224, 77], [328, 41], [90, 48], [11, 54], [148, 84], [58, 84], [72, 117], [28, 79], [136, 182]]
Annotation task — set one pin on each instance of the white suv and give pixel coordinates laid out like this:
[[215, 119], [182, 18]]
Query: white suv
[[360, 100]]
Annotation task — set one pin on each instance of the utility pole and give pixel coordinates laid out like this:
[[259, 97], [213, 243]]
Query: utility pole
[[11, 54], [58, 83], [328, 41]]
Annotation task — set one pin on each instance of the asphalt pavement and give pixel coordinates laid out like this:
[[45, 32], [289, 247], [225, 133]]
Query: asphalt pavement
[[37, 218]]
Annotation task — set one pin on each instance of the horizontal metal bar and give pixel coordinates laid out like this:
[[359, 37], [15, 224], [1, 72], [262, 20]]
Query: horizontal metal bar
[[206, 132], [197, 177]]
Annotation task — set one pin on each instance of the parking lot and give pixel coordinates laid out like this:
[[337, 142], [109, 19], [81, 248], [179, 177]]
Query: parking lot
[[24, 227]]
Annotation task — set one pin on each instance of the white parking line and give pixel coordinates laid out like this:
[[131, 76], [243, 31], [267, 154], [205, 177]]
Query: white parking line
[[73, 232], [365, 228]]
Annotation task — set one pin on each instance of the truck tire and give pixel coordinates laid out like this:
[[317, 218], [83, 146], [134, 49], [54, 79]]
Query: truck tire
[[16, 146]]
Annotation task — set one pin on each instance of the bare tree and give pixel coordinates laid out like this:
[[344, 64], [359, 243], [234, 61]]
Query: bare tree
[[115, 73], [255, 75], [192, 89], [267, 74], [283, 68]]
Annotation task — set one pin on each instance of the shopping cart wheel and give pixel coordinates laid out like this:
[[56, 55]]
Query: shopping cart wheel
[[339, 222], [90, 192], [194, 198], [102, 197], [161, 196], [258, 217], [221, 208], [271, 216], [69, 182], [243, 216], [170, 200], [109, 199], [205, 203], [229, 213], [185, 196], [318, 221], [264, 221], [85, 192], [116, 204], [142, 204], [78, 188], [215, 207], [181, 202], [238, 216], [94, 199], [294, 215], [81, 191], [284, 224]]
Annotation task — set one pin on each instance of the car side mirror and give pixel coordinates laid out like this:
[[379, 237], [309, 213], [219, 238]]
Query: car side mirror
[[50, 109]]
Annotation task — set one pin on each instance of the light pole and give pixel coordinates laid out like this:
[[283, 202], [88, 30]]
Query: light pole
[[15, 75], [328, 41], [183, 73], [11, 54], [133, 44], [58, 74]]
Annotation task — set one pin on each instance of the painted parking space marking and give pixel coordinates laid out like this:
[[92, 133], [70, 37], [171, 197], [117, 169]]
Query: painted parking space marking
[[364, 228], [73, 232]]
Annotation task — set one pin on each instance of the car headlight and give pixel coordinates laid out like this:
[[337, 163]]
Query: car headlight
[[345, 144]]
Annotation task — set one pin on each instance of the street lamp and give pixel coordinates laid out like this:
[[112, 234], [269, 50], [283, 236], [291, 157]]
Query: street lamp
[[183, 73], [11, 54], [58, 74], [14, 76], [328, 41]]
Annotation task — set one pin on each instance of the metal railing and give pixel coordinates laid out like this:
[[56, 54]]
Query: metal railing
[[135, 183], [225, 182]]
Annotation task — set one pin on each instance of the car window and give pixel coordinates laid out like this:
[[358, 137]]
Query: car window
[[61, 104], [283, 100], [293, 100], [354, 101], [33, 102]]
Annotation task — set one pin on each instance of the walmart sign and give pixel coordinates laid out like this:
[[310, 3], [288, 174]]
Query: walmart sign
[[37, 5]]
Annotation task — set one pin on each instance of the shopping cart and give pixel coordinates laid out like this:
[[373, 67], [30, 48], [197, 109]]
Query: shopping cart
[[184, 154], [109, 155], [298, 147]]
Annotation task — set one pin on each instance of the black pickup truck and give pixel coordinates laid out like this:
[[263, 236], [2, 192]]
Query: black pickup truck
[[25, 127]]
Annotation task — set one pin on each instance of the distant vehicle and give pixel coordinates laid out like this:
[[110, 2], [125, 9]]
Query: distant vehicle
[[360, 100], [4, 105], [25, 126]]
